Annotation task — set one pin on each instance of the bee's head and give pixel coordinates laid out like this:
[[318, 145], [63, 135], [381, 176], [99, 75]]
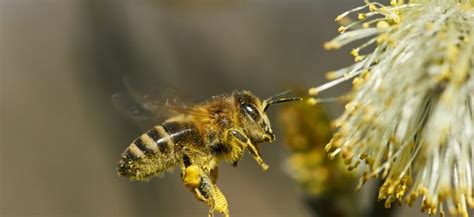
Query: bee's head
[[253, 115]]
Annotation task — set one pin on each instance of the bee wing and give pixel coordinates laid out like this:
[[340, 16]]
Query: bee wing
[[141, 114], [147, 108], [158, 96]]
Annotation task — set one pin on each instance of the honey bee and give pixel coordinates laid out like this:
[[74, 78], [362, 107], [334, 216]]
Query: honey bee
[[198, 137]]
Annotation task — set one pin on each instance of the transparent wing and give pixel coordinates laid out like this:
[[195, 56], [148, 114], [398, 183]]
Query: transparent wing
[[132, 110], [151, 106]]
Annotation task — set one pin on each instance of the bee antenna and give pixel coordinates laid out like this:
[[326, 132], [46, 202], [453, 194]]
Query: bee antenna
[[275, 99], [278, 95]]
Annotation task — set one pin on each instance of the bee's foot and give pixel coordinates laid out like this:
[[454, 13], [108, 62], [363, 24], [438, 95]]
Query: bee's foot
[[220, 203]]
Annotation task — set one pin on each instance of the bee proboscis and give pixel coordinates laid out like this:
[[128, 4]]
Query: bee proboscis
[[198, 138]]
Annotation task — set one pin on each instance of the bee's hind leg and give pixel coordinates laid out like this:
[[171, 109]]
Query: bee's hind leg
[[220, 203], [192, 177], [215, 198], [202, 185]]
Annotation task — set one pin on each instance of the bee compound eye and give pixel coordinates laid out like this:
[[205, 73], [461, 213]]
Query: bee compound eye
[[250, 110]]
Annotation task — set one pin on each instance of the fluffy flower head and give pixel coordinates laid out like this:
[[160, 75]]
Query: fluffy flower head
[[410, 115]]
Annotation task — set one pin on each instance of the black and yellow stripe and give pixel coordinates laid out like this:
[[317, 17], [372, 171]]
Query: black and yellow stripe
[[154, 142], [154, 151]]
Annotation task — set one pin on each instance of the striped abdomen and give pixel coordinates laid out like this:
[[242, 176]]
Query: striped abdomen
[[156, 150]]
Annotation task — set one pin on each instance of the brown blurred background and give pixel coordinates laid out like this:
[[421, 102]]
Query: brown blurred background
[[61, 61]]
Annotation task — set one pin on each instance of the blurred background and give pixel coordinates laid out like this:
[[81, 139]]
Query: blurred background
[[61, 61]]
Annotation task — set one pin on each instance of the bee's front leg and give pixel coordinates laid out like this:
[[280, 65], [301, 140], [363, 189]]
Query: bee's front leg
[[240, 140]]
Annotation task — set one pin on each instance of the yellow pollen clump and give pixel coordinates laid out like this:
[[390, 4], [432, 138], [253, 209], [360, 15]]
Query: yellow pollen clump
[[312, 101], [452, 53], [357, 82], [341, 29], [429, 26], [350, 106], [359, 58], [355, 52], [331, 75], [382, 38], [372, 7], [192, 176], [338, 18], [383, 25], [313, 91], [331, 45]]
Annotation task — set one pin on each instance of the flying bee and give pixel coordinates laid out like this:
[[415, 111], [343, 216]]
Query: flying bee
[[198, 137]]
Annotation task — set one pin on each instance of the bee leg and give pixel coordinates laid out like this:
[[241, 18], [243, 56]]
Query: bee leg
[[220, 203], [253, 149], [192, 179], [239, 138], [191, 176], [203, 186], [215, 199]]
